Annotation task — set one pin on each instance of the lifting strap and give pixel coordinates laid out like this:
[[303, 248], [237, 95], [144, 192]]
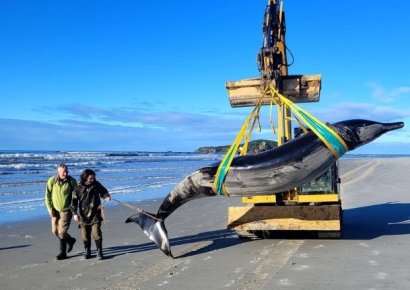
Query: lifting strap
[[233, 149], [328, 136]]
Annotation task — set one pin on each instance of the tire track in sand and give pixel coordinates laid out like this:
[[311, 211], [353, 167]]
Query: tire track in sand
[[266, 263], [147, 274]]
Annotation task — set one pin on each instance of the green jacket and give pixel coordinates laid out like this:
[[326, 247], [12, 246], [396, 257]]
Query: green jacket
[[58, 193]]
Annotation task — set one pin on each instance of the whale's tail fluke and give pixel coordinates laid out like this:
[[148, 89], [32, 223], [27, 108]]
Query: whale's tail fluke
[[154, 228]]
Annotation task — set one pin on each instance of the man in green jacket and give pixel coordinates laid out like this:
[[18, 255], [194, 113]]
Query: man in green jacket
[[58, 199]]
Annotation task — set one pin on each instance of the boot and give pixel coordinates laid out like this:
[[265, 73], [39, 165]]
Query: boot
[[98, 244], [70, 243], [62, 255], [87, 249]]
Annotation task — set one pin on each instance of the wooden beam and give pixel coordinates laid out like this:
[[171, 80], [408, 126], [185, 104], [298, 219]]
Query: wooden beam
[[298, 88]]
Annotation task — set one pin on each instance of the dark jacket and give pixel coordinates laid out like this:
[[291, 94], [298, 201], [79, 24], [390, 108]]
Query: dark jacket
[[87, 199]]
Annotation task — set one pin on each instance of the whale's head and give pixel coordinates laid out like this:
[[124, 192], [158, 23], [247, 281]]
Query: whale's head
[[359, 132]]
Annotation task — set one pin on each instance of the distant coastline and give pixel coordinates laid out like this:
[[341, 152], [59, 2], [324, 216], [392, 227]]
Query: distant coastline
[[201, 150], [254, 147]]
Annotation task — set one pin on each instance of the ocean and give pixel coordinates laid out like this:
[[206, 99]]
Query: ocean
[[128, 176]]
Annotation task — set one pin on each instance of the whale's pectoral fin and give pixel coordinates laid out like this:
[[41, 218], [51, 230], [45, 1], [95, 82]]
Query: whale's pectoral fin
[[154, 228]]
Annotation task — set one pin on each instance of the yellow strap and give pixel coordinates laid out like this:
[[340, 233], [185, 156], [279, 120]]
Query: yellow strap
[[225, 164], [272, 127], [248, 136], [296, 111], [301, 125], [245, 134]]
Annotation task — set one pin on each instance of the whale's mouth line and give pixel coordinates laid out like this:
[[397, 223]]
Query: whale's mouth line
[[393, 126]]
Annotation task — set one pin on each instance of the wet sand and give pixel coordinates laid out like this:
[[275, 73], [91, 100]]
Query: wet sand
[[373, 253]]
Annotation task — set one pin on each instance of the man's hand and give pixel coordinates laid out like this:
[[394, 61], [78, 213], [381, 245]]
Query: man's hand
[[108, 198], [76, 218], [53, 214]]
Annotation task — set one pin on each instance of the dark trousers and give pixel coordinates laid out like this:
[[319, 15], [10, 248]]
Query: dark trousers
[[92, 229]]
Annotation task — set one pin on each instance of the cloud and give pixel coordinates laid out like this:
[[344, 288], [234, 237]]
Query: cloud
[[85, 127], [81, 134], [143, 126], [92, 136], [145, 116], [349, 110], [380, 94]]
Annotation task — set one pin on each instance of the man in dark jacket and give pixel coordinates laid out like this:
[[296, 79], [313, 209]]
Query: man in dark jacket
[[86, 198], [58, 199]]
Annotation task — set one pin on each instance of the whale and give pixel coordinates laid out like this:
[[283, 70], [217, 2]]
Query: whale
[[290, 165]]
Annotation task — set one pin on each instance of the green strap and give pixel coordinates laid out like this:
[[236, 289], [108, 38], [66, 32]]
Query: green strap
[[329, 137], [324, 132]]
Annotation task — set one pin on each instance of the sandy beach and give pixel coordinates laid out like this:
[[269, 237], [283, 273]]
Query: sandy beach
[[373, 253]]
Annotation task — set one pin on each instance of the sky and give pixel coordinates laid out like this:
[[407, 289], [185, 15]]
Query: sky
[[150, 75]]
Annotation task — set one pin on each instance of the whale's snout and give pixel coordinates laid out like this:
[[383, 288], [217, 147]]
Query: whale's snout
[[359, 132], [392, 126]]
